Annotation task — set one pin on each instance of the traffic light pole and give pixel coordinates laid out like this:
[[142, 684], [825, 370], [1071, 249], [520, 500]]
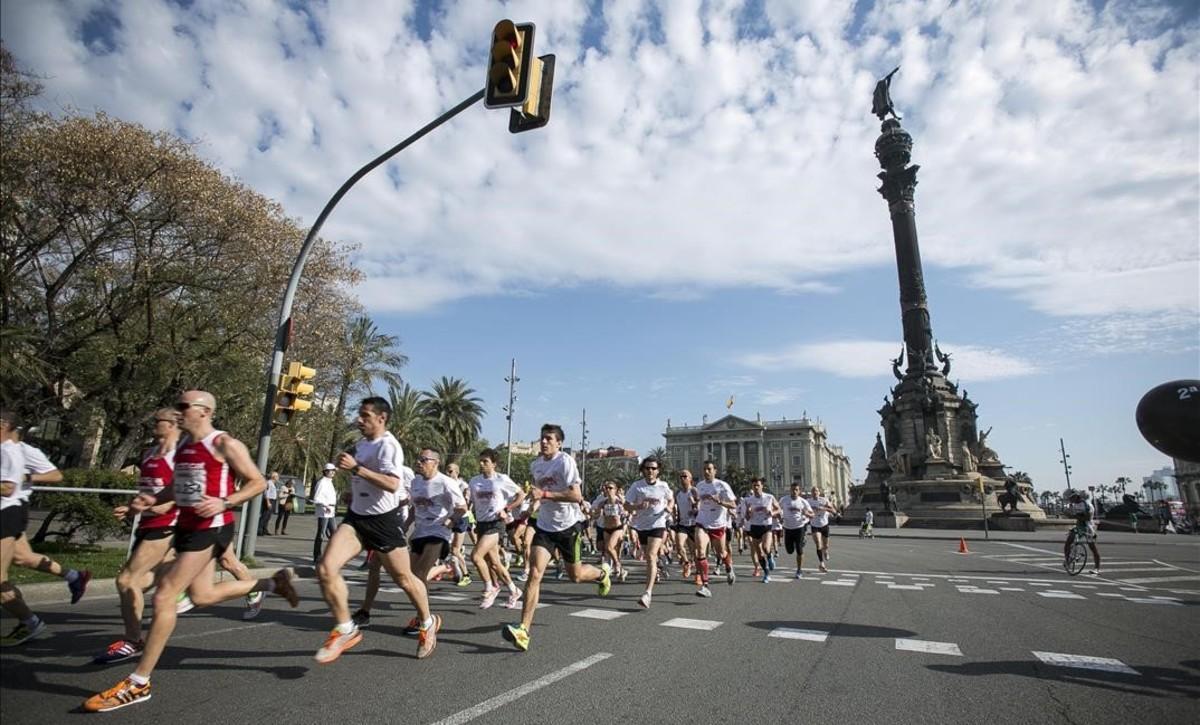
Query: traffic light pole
[[248, 536]]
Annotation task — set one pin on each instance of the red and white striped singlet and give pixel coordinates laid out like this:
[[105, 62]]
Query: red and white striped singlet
[[199, 473]]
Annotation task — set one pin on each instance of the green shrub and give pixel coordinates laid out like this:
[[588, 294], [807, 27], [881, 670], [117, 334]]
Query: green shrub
[[86, 515]]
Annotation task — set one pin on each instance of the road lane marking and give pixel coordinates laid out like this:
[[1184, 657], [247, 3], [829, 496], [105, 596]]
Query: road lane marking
[[446, 597], [684, 623], [1027, 548], [1156, 579], [1051, 594], [921, 645], [1019, 589], [487, 706], [809, 635], [598, 614], [977, 590], [1145, 600], [909, 587], [1104, 664], [840, 583]]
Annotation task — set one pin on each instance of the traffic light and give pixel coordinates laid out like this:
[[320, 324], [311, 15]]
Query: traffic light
[[293, 391], [509, 65]]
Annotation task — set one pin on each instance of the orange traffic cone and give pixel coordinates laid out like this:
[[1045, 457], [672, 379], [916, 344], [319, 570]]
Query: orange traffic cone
[[962, 546]]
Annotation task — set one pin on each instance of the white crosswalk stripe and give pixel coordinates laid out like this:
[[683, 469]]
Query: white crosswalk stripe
[[1104, 664]]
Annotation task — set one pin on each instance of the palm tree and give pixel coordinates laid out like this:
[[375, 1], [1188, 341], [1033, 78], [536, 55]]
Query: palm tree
[[410, 422], [366, 355], [457, 415]]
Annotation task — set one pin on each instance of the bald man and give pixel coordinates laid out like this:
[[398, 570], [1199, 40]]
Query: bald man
[[206, 465]]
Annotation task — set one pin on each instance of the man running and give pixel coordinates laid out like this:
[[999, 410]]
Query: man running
[[372, 523], [556, 486], [820, 526], [15, 550], [760, 509], [649, 501], [462, 526], [796, 513], [686, 503], [203, 491], [717, 500], [494, 496]]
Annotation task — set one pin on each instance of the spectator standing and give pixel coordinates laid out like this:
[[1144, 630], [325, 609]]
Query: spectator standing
[[324, 499], [285, 502], [269, 500]]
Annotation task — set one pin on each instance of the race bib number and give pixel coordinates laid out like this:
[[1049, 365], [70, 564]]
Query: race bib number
[[189, 484]]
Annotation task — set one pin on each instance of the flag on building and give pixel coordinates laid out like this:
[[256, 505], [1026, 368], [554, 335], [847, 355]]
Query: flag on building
[[729, 403]]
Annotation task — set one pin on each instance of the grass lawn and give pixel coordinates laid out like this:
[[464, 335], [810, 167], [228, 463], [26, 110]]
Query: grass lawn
[[104, 562]]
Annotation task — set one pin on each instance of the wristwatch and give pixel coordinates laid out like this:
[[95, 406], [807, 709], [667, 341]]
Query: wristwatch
[[354, 470]]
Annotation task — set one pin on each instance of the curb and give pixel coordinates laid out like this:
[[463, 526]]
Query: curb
[[56, 592]]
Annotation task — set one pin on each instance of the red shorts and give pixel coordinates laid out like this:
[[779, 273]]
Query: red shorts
[[715, 533]]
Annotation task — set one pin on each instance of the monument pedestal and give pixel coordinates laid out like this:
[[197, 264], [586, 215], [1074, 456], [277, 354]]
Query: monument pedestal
[[890, 520], [1010, 521]]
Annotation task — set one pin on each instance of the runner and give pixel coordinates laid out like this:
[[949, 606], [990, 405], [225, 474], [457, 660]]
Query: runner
[[517, 530], [716, 500], [362, 616], [649, 503], [462, 526], [608, 509], [556, 485], [203, 491], [685, 521], [494, 497], [796, 514], [372, 523], [760, 509], [820, 526], [13, 518]]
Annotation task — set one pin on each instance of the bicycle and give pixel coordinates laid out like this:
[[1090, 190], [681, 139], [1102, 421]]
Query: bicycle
[[1077, 555]]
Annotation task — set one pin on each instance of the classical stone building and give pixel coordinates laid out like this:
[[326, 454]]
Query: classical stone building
[[1187, 477], [782, 451]]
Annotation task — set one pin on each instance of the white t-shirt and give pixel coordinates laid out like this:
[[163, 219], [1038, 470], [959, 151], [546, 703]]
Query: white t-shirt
[[820, 517], [712, 515], [685, 512], [35, 462], [434, 500], [796, 512], [556, 475], [272, 490], [651, 500], [489, 496], [382, 455], [12, 470], [869, 518], [324, 497], [759, 509], [610, 514]]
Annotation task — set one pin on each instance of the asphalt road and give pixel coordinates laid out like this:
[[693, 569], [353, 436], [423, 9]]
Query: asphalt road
[[902, 630]]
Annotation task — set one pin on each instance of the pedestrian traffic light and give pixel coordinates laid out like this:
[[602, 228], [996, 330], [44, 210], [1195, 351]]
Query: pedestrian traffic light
[[293, 392], [509, 64]]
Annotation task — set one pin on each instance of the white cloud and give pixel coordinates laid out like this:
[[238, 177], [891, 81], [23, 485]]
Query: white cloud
[[1058, 143], [776, 396], [870, 358]]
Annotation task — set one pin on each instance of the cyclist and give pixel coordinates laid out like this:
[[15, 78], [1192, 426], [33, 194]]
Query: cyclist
[[1085, 525]]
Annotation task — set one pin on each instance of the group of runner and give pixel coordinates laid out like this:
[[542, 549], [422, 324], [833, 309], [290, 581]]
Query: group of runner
[[412, 523]]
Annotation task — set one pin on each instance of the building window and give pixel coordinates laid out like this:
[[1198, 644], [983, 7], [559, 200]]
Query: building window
[[795, 460]]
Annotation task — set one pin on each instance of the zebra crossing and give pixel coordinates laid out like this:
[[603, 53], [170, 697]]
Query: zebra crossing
[[1138, 571]]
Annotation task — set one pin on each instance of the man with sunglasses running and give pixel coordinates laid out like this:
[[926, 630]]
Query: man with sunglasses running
[[206, 466], [556, 485]]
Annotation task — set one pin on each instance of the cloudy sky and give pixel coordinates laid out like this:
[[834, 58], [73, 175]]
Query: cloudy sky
[[699, 219]]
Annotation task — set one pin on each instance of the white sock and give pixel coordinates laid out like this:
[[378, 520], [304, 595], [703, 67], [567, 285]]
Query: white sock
[[512, 587], [138, 680], [345, 627], [427, 623]]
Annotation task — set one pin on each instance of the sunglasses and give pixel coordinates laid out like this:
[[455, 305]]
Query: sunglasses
[[165, 420], [650, 468], [182, 406], [427, 459]]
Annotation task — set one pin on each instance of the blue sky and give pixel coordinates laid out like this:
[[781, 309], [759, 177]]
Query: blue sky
[[700, 218]]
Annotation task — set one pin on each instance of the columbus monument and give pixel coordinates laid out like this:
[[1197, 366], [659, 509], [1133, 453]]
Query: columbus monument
[[932, 464]]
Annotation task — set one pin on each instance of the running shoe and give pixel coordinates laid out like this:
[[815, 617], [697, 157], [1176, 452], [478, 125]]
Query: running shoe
[[361, 619], [704, 591], [756, 573], [427, 638], [730, 577], [799, 574], [184, 603], [766, 577], [119, 651], [604, 583], [283, 586], [125, 692], [622, 574], [517, 634], [254, 602], [337, 643], [822, 568], [489, 597], [412, 629], [644, 600], [22, 633], [464, 580], [523, 576], [558, 573], [79, 587], [514, 599], [687, 569], [1094, 572]]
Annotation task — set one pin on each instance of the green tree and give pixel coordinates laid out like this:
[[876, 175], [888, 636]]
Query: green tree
[[365, 355], [457, 415], [410, 422]]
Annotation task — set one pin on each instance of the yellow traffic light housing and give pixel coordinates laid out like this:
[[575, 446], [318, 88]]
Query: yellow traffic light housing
[[291, 398], [509, 64]]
